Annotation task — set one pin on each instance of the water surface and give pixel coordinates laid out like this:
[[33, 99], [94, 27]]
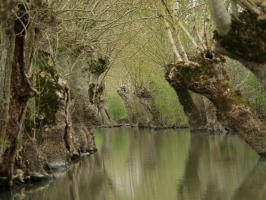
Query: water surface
[[134, 164]]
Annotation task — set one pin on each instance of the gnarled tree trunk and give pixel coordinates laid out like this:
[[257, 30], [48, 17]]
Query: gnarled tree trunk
[[209, 78], [21, 33], [104, 113], [213, 124], [194, 117], [58, 143], [145, 99], [126, 96], [96, 88]]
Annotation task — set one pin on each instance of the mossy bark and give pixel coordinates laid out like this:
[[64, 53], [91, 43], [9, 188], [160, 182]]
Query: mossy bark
[[195, 119], [96, 87], [209, 78], [58, 144], [52, 121], [245, 42]]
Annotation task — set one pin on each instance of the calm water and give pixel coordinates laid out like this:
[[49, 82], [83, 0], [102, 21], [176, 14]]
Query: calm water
[[158, 165]]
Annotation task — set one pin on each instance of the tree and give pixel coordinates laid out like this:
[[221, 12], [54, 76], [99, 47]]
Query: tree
[[18, 38], [196, 121], [6, 9], [248, 49], [206, 74], [242, 37]]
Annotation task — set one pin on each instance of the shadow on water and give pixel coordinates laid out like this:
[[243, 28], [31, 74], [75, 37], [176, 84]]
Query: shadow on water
[[164, 164]]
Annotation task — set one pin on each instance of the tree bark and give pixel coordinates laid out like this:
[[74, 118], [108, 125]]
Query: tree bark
[[245, 42], [8, 45], [21, 90], [213, 124], [145, 99], [195, 119], [57, 135], [209, 78], [104, 114], [96, 68], [245, 39], [125, 94], [6, 8], [220, 16]]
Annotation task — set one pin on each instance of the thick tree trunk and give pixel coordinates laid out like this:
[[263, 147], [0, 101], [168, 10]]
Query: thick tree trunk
[[21, 90], [125, 94], [82, 115], [213, 124], [57, 135], [7, 48], [30, 160], [194, 117], [69, 131], [145, 99], [96, 68], [104, 114], [85, 119], [209, 78], [220, 16]]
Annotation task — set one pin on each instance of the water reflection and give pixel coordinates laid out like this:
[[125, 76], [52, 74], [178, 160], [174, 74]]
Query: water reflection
[[166, 164], [254, 185], [215, 167]]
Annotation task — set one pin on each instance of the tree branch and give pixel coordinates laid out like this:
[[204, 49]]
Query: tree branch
[[220, 16]]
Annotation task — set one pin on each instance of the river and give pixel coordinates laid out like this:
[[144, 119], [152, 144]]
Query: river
[[143, 164]]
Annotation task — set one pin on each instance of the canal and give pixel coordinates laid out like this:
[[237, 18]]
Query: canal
[[144, 164]]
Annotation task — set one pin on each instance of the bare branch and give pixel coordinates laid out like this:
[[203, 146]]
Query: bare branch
[[170, 36], [246, 5], [190, 37]]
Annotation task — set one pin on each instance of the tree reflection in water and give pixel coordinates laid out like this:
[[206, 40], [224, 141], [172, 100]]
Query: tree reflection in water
[[163, 164], [216, 166]]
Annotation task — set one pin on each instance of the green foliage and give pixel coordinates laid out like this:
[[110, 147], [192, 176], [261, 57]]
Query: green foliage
[[116, 108], [167, 107]]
